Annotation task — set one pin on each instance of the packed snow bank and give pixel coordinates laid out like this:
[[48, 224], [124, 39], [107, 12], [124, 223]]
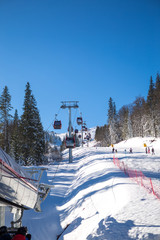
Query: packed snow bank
[[93, 199]]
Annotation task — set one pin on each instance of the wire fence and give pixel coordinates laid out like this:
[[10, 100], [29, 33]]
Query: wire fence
[[138, 177]]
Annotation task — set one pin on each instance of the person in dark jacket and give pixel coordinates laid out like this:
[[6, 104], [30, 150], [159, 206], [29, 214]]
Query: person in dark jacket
[[153, 151], [21, 234], [4, 235]]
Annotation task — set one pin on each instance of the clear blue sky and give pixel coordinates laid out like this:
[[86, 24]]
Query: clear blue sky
[[84, 50]]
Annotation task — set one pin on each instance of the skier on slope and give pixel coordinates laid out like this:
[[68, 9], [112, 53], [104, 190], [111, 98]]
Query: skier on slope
[[153, 151]]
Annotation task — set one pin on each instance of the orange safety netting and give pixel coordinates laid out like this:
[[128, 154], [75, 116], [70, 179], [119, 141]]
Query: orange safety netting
[[138, 177]]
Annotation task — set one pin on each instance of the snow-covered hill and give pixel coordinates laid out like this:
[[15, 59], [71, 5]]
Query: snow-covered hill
[[93, 199]]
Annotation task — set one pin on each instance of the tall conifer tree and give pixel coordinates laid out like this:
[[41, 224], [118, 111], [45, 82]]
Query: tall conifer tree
[[31, 130], [150, 97], [112, 121], [15, 138], [5, 117], [110, 110], [151, 108], [39, 144], [157, 105]]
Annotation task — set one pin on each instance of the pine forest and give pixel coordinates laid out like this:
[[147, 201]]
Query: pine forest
[[139, 119]]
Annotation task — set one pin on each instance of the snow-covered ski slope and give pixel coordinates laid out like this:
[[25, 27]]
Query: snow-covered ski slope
[[93, 199]]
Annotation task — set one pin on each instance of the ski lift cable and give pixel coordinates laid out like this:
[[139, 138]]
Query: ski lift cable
[[49, 126], [80, 113], [74, 116], [59, 111], [53, 120]]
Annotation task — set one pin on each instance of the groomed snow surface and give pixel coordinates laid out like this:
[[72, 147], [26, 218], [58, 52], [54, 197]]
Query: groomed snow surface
[[93, 199]]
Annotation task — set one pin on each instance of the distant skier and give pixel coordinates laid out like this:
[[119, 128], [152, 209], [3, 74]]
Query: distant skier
[[148, 150], [153, 151], [112, 150], [130, 150]]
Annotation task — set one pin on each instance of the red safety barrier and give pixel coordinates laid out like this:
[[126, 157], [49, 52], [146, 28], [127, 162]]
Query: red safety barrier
[[138, 177]]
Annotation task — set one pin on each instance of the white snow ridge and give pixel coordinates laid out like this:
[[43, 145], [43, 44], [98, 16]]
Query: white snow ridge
[[94, 199]]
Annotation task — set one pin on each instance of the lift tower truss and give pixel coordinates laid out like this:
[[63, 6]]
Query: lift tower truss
[[69, 105]]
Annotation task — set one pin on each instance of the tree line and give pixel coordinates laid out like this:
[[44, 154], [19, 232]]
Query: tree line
[[23, 138], [139, 119]]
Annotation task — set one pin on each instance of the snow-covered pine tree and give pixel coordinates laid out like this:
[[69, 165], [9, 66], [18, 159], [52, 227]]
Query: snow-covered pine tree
[[151, 108], [150, 96], [99, 134], [137, 117], [39, 145], [32, 133], [157, 104], [123, 122], [97, 137], [112, 122], [5, 117], [130, 130], [102, 135], [15, 138]]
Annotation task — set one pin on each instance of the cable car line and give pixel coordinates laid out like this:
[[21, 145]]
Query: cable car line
[[53, 121], [75, 117], [49, 126]]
